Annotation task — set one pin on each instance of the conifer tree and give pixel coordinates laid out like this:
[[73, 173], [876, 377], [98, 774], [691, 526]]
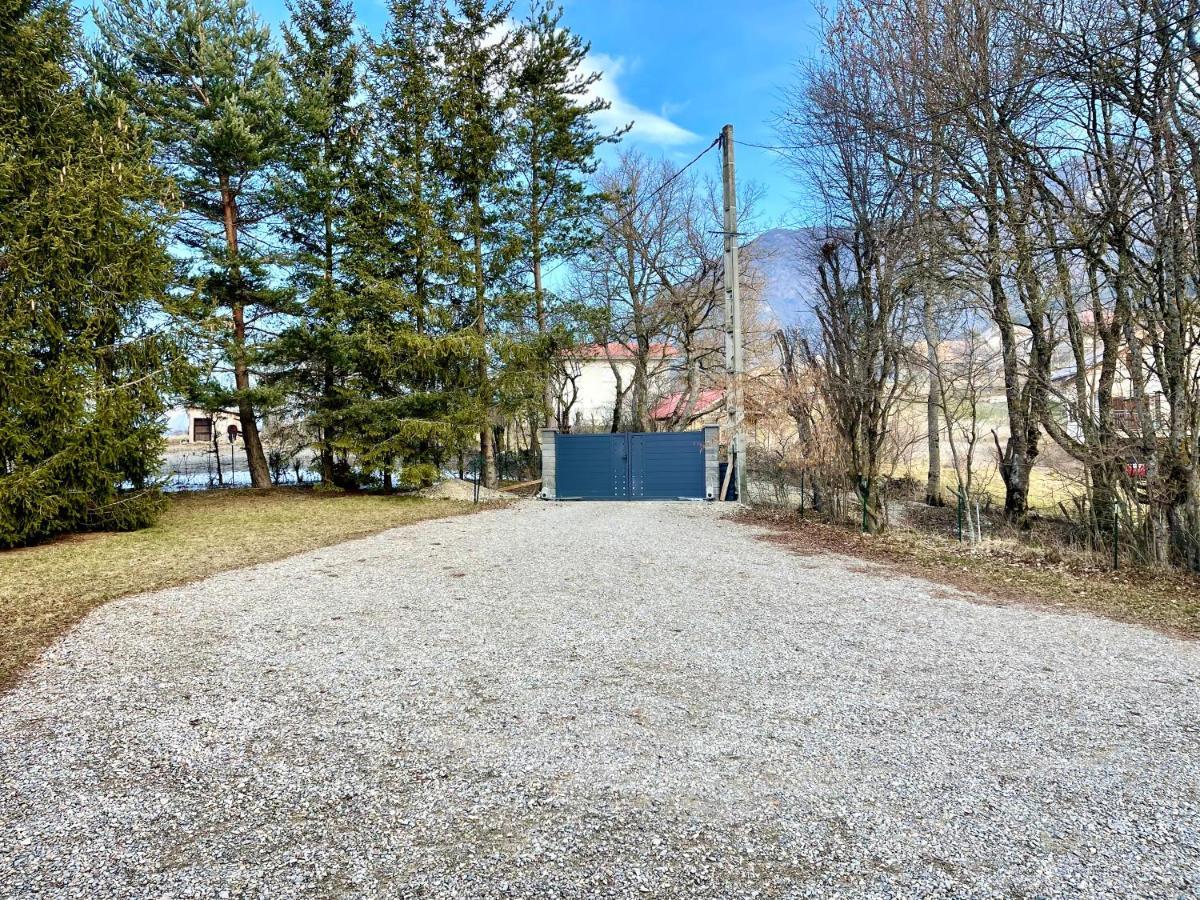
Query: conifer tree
[[204, 78], [410, 398], [312, 356], [476, 115], [82, 267], [555, 145]]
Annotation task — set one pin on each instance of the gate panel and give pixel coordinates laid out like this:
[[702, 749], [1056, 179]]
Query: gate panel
[[667, 465], [591, 467]]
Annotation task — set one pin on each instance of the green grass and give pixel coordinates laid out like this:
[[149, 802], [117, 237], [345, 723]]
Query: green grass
[[46, 589]]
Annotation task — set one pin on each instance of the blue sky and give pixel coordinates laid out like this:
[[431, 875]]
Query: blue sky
[[680, 69], [697, 64]]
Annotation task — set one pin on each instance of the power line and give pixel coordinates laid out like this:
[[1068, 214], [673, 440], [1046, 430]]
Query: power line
[[1019, 86], [654, 193]]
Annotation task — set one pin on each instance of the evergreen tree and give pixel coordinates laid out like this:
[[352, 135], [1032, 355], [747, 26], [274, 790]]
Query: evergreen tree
[[204, 78], [312, 356], [555, 145], [82, 267], [409, 396], [476, 114]]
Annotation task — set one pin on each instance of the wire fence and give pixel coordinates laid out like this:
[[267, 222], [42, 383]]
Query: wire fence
[[1112, 529], [511, 466], [201, 467]]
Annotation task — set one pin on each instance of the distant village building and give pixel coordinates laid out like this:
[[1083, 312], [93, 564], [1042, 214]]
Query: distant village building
[[1124, 403], [203, 424], [590, 377]]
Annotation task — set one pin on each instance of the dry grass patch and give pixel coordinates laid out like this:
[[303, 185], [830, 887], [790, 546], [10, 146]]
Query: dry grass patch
[[1005, 571], [46, 589]]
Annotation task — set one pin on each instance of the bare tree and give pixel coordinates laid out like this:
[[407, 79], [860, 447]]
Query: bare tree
[[639, 220], [861, 301], [1042, 166]]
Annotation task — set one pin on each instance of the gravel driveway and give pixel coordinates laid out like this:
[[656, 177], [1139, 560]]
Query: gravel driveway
[[597, 700]]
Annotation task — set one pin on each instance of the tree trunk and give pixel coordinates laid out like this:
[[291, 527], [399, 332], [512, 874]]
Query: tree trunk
[[327, 379], [933, 482], [639, 414], [539, 300], [487, 446], [260, 473], [618, 399], [871, 507], [534, 463], [934, 496], [256, 459], [326, 443], [216, 442]]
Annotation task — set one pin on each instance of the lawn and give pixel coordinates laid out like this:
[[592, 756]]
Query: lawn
[[1047, 487], [46, 589]]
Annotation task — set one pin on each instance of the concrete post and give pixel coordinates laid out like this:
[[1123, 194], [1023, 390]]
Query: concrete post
[[549, 485], [712, 464]]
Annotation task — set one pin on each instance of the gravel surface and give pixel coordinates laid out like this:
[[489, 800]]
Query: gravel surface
[[457, 489], [597, 700]]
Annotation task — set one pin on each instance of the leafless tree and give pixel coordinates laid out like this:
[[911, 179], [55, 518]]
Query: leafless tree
[[861, 301], [657, 274], [1047, 161], [641, 237]]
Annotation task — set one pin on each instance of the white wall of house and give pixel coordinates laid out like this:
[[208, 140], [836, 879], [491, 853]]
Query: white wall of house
[[220, 424], [597, 390], [596, 387]]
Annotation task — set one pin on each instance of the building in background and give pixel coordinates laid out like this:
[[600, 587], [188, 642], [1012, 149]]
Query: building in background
[[203, 424], [593, 378]]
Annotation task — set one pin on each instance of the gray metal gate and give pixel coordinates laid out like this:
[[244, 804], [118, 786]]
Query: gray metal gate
[[678, 465]]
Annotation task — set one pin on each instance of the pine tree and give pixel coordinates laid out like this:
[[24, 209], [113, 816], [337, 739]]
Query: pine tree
[[409, 395], [204, 78], [82, 267], [476, 115], [555, 145], [312, 357]]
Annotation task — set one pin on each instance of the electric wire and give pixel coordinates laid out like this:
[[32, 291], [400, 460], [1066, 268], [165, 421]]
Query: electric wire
[[636, 206]]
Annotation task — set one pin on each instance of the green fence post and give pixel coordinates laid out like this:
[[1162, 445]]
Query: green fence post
[[1116, 534], [960, 513]]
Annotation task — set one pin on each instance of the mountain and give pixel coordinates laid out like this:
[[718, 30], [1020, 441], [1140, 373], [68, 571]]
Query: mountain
[[782, 261]]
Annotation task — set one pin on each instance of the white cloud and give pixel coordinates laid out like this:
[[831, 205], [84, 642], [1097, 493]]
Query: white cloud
[[648, 127]]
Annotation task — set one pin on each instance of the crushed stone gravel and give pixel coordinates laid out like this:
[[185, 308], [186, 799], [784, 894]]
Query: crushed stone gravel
[[582, 700], [457, 489]]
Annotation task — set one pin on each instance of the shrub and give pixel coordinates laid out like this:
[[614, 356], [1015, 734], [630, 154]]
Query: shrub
[[418, 475]]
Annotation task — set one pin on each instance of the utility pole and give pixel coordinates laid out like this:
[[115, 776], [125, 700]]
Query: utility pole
[[735, 412]]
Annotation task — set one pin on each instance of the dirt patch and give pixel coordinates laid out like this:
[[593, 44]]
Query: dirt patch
[[1003, 572], [457, 489], [525, 489]]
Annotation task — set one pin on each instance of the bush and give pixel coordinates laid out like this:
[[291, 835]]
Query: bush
[[418, 475]]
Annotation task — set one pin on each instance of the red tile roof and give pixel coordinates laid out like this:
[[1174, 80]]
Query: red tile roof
[[705, 401], [616, 350]]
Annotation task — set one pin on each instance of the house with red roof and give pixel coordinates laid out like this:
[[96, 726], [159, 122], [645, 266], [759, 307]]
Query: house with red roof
[[594, 378], [706, 408]]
